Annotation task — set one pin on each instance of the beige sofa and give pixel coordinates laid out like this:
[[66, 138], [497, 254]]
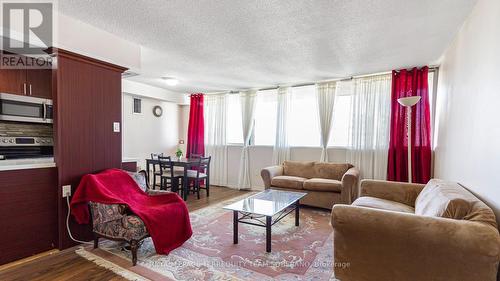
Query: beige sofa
[[401, 231], [325, 183]]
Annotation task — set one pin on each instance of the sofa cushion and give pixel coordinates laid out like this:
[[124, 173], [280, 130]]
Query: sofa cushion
[[318, 184], [288, 182], [333, 171], [445, 199], [383, 204], [299, 169]]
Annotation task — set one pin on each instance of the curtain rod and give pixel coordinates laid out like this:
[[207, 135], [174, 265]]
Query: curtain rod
[[431, 69]]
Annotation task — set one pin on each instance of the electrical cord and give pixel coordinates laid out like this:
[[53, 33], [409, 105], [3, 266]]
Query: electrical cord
[[67, 226]]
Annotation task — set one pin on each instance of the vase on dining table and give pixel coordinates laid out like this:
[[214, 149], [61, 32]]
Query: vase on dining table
[[179, 154]]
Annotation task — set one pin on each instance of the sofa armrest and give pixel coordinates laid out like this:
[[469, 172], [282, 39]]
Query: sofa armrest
[[385, 245], [401, 192], [350, 185], [269, 173]]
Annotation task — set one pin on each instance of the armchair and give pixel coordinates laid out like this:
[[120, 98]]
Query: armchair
[[115, 222]]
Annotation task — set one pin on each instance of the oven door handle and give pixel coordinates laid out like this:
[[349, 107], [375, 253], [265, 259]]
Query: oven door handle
[[44, 111]]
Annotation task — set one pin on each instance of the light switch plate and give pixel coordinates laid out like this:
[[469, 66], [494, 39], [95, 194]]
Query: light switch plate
[[116, 127], [66, 190]]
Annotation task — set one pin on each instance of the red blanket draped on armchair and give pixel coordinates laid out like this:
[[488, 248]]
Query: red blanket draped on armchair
[[166, 216], [407, 83]]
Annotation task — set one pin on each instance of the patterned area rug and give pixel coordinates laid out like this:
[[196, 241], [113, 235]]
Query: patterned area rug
[[298, 253]]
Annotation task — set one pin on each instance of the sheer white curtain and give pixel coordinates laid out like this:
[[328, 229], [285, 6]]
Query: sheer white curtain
[[248, 99], [325, 93], [215, 137], [281, 149], [369, 125]]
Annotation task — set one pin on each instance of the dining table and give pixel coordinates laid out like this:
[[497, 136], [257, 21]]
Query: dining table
[[185, 163]]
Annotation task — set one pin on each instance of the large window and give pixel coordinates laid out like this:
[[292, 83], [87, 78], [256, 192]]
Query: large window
[[339, 136], [303, 127], [265, 118], [234, 132]]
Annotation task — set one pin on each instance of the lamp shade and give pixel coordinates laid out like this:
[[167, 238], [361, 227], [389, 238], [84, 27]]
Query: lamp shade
[[409, 101]]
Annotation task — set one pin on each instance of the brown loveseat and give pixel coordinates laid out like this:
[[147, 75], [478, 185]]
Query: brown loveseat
[[325, 183], [401, 231]]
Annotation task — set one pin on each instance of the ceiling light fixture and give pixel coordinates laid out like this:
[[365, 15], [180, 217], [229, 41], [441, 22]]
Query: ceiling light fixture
[[171, 81]]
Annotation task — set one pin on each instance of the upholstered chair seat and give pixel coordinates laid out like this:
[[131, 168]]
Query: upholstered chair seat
[[128, 228], [193, 173]]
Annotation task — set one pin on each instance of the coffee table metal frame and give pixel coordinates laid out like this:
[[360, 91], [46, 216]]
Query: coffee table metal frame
[[264, 221]]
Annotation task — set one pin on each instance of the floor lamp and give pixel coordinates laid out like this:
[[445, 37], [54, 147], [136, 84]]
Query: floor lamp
[[408, 102]]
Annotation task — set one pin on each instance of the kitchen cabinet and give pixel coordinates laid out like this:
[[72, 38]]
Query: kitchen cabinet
[[29, 82], [28, 212], [39, 83], [13, 81]]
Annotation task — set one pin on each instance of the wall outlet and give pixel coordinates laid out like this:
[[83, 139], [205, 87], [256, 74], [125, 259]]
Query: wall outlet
[[66, 190], [116, 127]]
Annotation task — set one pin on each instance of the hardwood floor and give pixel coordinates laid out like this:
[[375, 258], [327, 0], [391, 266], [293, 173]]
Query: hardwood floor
[[67, 265]]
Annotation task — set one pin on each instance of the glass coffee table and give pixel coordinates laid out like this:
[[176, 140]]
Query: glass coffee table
[[264, 209]]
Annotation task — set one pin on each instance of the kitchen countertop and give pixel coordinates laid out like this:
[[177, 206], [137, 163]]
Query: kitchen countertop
[[129, 159], [32, 163]]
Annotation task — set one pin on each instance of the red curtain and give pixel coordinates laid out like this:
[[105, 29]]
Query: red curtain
[[407, 83], [196, 128]]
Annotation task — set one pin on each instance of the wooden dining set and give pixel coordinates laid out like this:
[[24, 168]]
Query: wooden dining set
[[179, 174]]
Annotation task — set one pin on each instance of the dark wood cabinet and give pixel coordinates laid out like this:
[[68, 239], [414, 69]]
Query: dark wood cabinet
[[130, 166], [87, 99], [39, 83], [86, 96], [28, 212], [27, 82], [13, 81]]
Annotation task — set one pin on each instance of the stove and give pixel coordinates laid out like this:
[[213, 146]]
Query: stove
[[26, 147]]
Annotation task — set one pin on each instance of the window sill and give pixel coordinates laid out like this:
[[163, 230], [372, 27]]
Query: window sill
[[292, 147]]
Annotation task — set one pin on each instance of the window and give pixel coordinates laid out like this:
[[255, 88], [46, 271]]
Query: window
[[137, 106], [234, 133], [265, 118], [303, 127], [339, 135], [432, 105]]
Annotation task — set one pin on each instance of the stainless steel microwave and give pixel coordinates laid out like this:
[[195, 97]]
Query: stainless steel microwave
[[25, 109]]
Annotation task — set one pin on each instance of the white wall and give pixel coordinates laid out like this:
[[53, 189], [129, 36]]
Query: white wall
[[183, 125], [145, 133], [141, 89], [468, 106], [82, 38]]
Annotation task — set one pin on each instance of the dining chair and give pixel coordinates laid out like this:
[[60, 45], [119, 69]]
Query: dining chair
[[202, 173], [156, 169], [169, 177]]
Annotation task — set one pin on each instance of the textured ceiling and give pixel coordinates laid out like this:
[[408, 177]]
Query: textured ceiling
[[226, 44]]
